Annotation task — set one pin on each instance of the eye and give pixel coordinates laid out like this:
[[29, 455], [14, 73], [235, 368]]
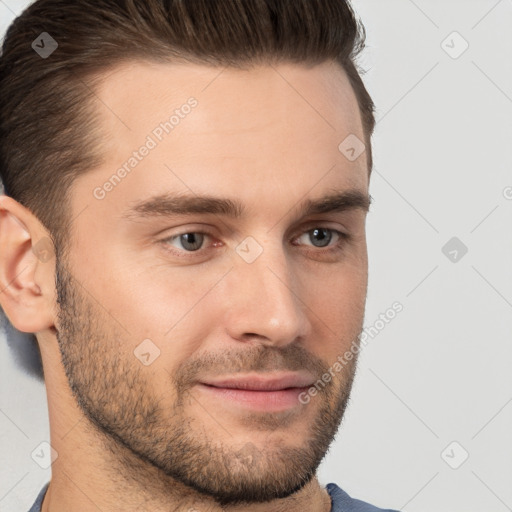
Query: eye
[[322, 236], [190, 242]]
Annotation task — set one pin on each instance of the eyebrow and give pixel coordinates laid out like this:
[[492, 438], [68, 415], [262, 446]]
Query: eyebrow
[[168, 205]]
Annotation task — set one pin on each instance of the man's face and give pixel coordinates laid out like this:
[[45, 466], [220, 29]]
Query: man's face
[[159, 332]]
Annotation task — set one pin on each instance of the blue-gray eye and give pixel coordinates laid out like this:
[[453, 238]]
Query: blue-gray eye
[[324, 235], [190, 241]]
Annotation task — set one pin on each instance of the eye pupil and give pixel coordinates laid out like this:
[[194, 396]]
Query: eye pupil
[[324, 239], [195, 239]]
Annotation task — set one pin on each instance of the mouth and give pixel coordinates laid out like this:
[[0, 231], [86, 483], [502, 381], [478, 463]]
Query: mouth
[[263, 392]]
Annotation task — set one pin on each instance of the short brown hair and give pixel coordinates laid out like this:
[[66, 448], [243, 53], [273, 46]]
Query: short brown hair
[[48, 130]]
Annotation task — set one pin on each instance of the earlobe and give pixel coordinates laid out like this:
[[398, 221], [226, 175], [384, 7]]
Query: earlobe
[[26, 268]]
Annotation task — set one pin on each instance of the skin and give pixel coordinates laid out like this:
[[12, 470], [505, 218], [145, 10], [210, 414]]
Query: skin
[[136, 437]]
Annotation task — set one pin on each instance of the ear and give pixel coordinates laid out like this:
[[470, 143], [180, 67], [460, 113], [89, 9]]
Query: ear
[[27, 268]]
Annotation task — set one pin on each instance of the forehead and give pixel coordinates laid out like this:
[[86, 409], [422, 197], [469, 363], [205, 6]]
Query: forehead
[[240, 132], [147, 86]]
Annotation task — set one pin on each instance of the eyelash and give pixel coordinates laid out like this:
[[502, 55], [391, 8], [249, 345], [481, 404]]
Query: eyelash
[[338, 246]]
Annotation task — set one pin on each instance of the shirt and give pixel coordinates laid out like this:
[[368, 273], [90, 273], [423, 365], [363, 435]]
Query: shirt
[[341, 501]]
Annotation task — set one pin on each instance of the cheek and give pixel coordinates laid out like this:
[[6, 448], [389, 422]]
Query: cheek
[[336, 310], [339, 290], [174, 308]]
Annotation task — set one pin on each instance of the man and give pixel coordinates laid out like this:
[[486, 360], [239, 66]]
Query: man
[[183, 229]]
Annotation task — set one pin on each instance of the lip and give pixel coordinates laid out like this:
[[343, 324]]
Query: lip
[[262, 382], [262, 393]]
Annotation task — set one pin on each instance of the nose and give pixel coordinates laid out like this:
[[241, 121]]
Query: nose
[[265, 301]]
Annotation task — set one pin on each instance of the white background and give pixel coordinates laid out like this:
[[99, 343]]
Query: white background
[[440, 371]]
